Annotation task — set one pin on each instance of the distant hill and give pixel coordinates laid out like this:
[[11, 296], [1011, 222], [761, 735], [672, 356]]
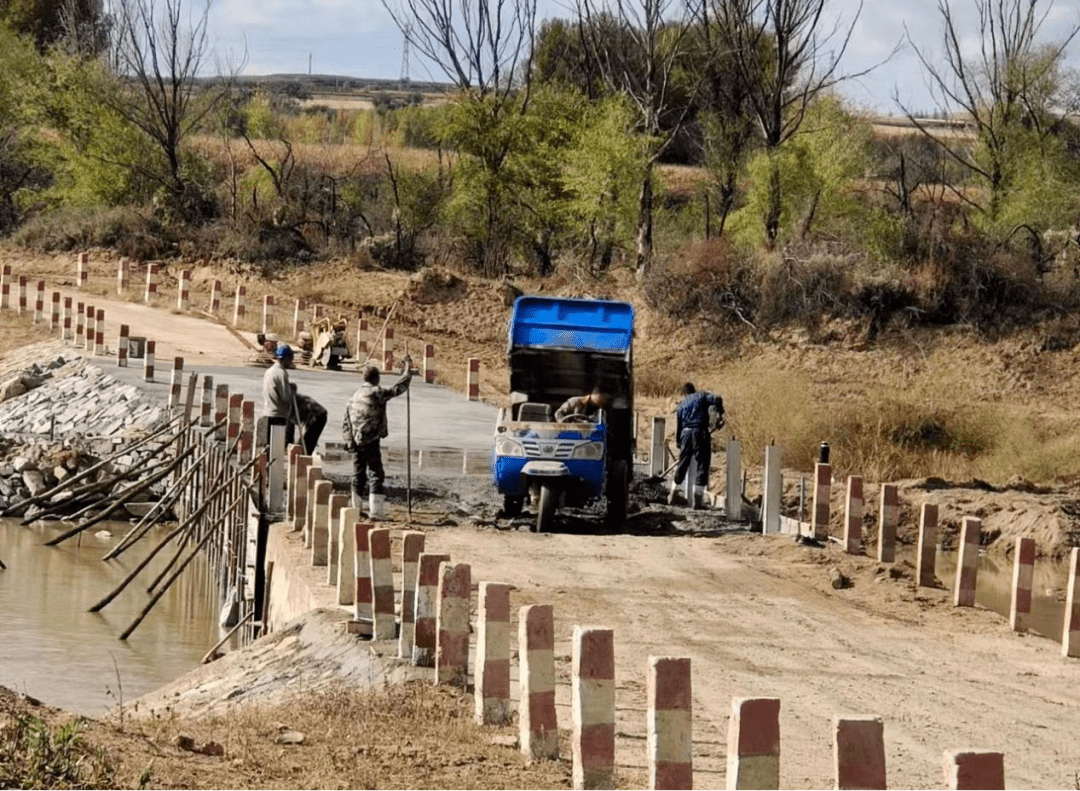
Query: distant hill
[[336, 83]]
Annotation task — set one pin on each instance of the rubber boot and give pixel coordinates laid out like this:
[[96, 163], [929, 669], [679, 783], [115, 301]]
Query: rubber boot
[[377, 507], [673, 493], [358, 501], [699, 497]]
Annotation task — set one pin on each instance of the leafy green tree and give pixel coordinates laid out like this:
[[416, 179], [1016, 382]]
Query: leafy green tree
[[79, 23]]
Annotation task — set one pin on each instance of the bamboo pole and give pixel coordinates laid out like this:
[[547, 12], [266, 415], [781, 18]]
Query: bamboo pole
[[221, 642]]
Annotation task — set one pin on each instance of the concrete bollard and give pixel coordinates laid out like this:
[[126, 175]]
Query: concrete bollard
[[822, 492], [151, 282], [733, 481], [859, 752], [429, 363], [338, 503], [927, 558], [853, 515], [318, 312], [67, 333], [206, 403], [320, 495], [593, 707], [5, 287], [388, 361], [148, 362], [298, 318], [99, 333], [123, 276], [967, 563], [656, 447], [472, 379], [1023, 575], [412, 544], [54, 312], [183, 292], [300, 495], [669, 713], [215, 298], [22, 295], [314, 475], [236, 412], [382, 584], [240, 305], [122, 347], [247, 430], [452, 624], [753, 747], [1070, 632], [83, 270], [268, 313], [888, 518], [176, 379], [39, 303], [361, 339], [773, 485], [362, 610], [90, 332], [427, 593], [537, 721], [491, 688], [346, 581], [388, 348], [967, 769], [80, 324], [221, 410]]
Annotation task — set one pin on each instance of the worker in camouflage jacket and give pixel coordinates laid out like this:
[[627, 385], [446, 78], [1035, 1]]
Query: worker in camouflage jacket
[[363, 427]]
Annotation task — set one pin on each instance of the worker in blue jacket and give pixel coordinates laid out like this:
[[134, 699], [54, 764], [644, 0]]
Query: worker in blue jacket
[[697, 415]]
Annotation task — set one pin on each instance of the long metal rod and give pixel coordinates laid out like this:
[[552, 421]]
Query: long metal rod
[[221, 642]]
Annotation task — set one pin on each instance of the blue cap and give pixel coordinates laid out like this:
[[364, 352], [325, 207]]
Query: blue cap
[[283, 352]]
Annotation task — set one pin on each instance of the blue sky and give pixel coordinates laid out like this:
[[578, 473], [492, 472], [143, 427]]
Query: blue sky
[[357, 38]]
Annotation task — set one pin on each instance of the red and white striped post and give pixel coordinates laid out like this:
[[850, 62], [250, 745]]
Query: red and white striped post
[[99, 332], [298, 318], [183, 294], [319, 516], [83, 270], [1023, 576], [429, 363], [67, 334], [927, 558], [361, 339], [382, 585], [215, 298], [853, 515], [346, 581], [967, 564], [426, 610], [888, 518], [22, 295], [338, 503], [452, 624], [593, 708], [236, 410], [240, 305], [54, 312], [247, 430], [537, 721], [122, 347], [491, 687], [123, 275], [268, 313], [1070, 632], [753, 746], [859, 752], [151, 282], [388, 348], [362, 594], [315, 474], [412, 544], [90, 332], [5, 287], [80, 309], [221, 410], [148, 362], [176, 380], [967, 769], [822, 492], [300, 492], [318, 312], [206, 404], [472, 379], [669, 711], [39, 303]]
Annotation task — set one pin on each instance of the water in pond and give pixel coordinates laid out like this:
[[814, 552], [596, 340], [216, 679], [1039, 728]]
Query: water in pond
[[53, 649]]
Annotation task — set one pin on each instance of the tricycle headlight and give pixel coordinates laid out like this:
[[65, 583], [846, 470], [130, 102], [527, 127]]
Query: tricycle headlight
[[589, 450], [504, 446]]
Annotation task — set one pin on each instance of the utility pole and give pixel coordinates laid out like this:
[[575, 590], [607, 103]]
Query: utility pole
[[309, 63]]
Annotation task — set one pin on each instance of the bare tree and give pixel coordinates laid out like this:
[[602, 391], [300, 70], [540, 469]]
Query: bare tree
[[785, 54], [478, 45], [651, 38], [159, 50], [1012, 82]]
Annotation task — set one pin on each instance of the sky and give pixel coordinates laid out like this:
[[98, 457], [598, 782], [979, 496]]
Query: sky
[[357, 38]]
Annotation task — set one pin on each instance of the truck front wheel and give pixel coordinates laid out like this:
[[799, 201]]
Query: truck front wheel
[[545, 515]]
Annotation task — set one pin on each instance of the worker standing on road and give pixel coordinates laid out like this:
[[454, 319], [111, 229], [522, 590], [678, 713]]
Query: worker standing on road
[[363, 426], [692, 429], [278, 403]]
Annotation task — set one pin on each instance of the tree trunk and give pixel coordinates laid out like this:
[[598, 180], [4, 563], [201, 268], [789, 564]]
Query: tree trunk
[[645, 225], [772, 212]]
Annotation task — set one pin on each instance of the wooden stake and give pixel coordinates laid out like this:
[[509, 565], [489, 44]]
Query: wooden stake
[[221, 642]]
